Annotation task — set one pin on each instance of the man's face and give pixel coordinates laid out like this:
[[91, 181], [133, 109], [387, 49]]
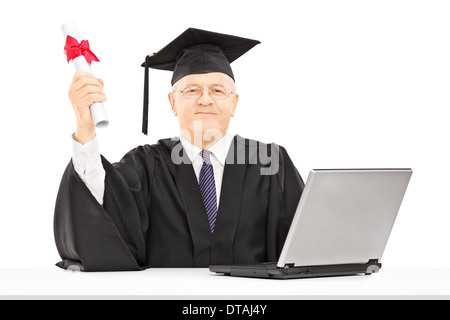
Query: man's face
[[204, 115]]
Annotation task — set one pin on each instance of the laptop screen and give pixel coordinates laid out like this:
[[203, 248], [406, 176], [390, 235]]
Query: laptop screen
[[344, 216]]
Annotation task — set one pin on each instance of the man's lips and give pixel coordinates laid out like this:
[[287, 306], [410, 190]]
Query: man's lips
[[205, 113]]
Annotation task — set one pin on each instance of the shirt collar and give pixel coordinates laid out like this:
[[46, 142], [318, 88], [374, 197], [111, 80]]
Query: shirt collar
[[218, 149]]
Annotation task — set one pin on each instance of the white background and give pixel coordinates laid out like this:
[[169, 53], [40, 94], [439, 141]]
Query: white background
[[338, 83]]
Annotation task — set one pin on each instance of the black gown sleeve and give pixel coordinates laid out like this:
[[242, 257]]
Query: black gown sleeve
[[92, 237], [286, 188]]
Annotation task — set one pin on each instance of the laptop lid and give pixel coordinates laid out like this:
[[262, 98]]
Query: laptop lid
[[344, 216]]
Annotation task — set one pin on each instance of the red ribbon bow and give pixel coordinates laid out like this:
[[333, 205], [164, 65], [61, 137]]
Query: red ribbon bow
[[74, 49]]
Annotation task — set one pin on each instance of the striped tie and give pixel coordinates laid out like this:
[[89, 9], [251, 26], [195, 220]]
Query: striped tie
[[208, 189]]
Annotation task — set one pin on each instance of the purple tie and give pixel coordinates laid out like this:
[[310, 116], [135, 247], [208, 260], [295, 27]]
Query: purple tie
[[208, 189]]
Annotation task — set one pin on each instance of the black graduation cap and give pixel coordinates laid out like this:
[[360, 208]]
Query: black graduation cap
[[195, 51]]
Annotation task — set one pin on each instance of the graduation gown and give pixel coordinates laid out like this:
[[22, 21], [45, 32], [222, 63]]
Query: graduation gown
[[153, 214]]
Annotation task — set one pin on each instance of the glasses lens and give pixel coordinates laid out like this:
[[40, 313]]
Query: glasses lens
[[219, 93], [192, 93]]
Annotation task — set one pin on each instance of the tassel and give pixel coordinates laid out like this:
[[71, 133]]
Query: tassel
[[145, 111]]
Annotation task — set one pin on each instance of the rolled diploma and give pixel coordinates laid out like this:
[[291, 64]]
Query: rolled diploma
[[97, 110]]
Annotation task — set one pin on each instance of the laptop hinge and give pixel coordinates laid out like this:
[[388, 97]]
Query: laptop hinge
[[289, 265], [373, 266]]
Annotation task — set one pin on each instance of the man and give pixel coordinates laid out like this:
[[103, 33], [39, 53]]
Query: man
[[204, 198]]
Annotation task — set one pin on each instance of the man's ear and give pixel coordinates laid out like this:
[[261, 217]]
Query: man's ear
[[235, 101], [172, 103]]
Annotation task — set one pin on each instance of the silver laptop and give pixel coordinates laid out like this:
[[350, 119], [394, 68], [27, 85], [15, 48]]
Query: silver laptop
[[341, 227]]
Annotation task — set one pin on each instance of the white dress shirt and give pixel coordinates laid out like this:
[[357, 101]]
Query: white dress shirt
[[219, 151], [87, 163]]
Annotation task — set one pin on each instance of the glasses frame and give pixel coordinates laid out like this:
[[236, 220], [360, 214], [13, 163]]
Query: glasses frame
[[209, 92]]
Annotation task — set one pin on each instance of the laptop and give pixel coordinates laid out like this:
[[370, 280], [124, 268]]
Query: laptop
[[341, 226]]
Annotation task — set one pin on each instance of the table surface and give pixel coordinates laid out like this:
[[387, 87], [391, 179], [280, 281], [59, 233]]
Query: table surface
[[178, 283]]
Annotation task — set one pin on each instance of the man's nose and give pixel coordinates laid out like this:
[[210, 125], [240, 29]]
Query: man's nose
[[205, 98]]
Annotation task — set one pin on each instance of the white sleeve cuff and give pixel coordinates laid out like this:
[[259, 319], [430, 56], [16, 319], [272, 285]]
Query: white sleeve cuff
[[88, 165]]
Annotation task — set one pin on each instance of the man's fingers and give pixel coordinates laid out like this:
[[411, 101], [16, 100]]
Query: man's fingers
[[84, 90], [82, 79], [94, 97], [85, 81], [90, 89]]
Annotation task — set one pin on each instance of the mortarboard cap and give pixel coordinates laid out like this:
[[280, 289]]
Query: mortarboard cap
[[195, 51]]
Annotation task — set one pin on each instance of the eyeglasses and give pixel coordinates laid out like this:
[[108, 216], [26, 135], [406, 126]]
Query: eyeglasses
[[217, 93]]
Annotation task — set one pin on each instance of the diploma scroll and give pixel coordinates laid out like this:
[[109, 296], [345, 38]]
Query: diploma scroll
[[81, 64]]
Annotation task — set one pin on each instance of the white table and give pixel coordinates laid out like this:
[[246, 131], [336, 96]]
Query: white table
[[176, 284]]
